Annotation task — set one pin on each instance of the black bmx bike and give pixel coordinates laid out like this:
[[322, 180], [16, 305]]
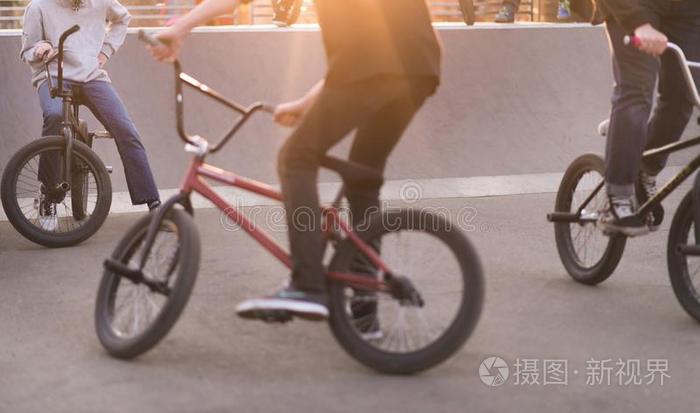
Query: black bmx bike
[[590, 256], [56, 191]]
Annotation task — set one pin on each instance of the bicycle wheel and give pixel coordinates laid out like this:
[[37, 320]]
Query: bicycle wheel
[[588, 255], [130, 317], [43, 211], [684, 269], [398, 336]]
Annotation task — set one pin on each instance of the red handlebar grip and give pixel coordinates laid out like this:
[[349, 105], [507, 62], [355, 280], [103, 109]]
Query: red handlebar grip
[[633, 41]]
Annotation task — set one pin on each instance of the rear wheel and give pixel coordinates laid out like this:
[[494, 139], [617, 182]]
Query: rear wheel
[[684, 270], [588, 255], [427, 255], [42, 207], [131, 317]]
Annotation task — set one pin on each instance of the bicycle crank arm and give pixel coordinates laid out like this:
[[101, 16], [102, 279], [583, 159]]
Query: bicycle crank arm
[[136, 276]]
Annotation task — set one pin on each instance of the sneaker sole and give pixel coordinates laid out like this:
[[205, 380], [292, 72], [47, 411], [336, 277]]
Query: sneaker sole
[[610, 229], [252, 309]]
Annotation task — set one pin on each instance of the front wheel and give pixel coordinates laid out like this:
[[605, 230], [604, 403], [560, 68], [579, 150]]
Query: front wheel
[[37, 199], [427, 254], [131, 317], [684, 269], [588, 255]]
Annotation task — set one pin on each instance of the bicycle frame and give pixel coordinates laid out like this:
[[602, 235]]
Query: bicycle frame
[[198, 171]]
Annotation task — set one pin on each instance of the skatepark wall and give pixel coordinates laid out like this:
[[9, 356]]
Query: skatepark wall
[[516, 99]]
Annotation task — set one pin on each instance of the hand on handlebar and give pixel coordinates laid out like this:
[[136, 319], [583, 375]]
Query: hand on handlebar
[[170, 45], [42, 51], [289, 114], [650, 41]]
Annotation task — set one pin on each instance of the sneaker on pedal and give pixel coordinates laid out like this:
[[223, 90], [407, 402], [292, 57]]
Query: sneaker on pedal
[[48, 221], [506, 14], [621, 218], [646, 189], [299, 303]]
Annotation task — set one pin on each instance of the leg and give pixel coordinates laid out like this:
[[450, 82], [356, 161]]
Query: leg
[[336, 113], [674, 105], [50, 166], [108, 108], [635, 76]]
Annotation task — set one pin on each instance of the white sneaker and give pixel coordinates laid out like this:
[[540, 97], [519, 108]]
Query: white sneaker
[[47, 216]]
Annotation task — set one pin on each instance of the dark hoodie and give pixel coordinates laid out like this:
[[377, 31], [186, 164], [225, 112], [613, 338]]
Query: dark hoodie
[[634, 13]]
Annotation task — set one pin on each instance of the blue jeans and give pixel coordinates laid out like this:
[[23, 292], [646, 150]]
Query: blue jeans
[[633, 126], [103, 101]]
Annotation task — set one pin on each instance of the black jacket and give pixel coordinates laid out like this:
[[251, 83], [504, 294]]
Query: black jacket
[[629, 13]]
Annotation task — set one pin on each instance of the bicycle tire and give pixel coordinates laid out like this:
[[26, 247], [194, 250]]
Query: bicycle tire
[[15, 214], [600, 270], [681, 280], [185, 264], [464, 321]]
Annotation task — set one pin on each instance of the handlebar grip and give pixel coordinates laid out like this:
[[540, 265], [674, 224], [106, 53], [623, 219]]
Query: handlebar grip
[[148, 38], [632, 41]]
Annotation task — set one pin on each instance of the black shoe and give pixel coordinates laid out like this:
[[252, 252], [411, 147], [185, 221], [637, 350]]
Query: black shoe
[[48, 221], [506, 14], [620, 218], [304, 304], [646, 189], [364, 315]]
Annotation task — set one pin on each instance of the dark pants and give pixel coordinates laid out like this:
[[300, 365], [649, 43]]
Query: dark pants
[[379, 109], [103, 101], [631, 129]]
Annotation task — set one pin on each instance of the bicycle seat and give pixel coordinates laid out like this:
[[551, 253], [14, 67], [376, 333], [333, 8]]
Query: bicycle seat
[[353, 173]]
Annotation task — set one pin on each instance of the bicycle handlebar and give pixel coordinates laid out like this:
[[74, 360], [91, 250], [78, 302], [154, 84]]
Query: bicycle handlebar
[[685, 65], [59, 54], [180, 78]]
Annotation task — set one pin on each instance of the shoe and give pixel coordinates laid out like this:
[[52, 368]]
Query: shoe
[[290, 300], [620, 218], [153, 204], [47, 216], [364, 315], [506, 14], [646, 189], [564, 11], [280, 17]]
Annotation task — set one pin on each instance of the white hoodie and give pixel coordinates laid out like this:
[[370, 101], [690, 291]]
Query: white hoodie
[[103, 25]]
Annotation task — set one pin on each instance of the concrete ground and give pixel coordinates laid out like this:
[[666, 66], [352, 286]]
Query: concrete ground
[[51, 360]]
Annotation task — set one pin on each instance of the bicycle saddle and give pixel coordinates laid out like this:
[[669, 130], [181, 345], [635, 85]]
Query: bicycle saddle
[[353, 173]]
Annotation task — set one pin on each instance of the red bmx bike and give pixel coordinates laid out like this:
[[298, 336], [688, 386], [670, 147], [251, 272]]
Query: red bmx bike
[[425, 289]]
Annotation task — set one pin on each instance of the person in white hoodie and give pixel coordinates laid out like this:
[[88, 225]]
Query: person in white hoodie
[[103, 25]]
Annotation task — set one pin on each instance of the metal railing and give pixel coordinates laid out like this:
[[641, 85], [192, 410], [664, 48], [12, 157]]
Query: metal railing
[[149, 13]]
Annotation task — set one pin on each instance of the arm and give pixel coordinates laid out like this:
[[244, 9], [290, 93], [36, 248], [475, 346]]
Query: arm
[[33, 36], [118, 18], [635, 18], [173, 37]]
